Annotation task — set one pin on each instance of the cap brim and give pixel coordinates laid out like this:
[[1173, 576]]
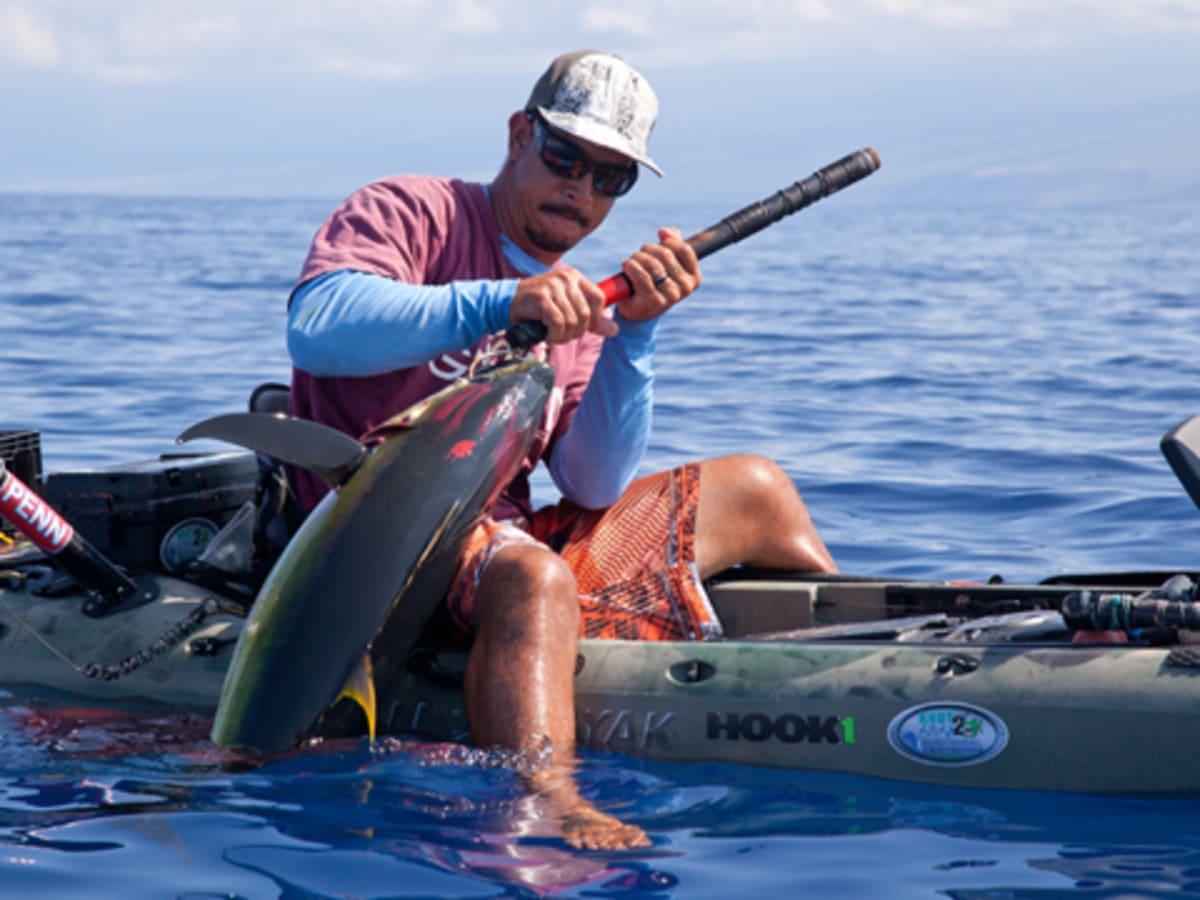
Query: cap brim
[[598, 134]]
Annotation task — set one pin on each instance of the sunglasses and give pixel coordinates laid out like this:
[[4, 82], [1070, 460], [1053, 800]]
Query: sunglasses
[[568, 160]]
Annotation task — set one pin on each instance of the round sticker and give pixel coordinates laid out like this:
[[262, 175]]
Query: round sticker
[[184, 542], [948, 734]]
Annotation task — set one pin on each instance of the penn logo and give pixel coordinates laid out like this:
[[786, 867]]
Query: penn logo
[[33, 516]]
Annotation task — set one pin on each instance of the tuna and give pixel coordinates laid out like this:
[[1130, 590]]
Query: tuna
[[354, 587]]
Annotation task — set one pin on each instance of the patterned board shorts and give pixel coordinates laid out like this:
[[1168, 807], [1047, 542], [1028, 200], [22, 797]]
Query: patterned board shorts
[[634, 562]]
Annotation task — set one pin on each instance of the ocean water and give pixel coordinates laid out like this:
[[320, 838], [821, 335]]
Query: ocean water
[[957, 393]]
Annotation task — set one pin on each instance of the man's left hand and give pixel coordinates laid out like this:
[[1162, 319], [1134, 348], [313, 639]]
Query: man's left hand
[[662, 274]]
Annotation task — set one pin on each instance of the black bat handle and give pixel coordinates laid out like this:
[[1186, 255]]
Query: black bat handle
[[741, 224]]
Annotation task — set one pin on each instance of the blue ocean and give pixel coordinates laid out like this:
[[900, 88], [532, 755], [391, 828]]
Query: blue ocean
[[957, 393]]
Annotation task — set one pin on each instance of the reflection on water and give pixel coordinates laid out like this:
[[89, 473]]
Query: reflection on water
[[343, 819]]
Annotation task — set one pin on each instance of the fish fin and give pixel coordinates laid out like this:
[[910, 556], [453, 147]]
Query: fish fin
[[360, 687], [324, 451]]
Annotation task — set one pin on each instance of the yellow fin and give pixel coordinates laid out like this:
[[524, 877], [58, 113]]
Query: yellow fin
[[360, 687]]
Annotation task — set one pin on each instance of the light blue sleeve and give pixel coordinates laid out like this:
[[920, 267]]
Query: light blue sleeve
[[348, 323], [359, 323], [599, 455]]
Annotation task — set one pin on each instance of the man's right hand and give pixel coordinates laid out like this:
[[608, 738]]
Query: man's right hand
[[565, 302]]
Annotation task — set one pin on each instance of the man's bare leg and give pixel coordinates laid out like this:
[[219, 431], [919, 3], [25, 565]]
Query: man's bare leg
[[751, 513], [520, 675], [520, 682]]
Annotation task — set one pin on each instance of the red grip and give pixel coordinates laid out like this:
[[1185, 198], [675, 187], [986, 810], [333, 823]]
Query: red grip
[[31, 515], [616, 289]]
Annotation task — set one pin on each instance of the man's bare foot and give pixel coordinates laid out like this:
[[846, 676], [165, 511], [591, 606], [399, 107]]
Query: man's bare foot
[[583, 826], [586, 828]]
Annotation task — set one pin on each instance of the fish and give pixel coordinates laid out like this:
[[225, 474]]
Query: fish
[[343, 605]]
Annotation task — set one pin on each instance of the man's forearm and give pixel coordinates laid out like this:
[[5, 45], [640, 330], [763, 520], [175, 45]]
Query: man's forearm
[[595, 460], [348, 323]]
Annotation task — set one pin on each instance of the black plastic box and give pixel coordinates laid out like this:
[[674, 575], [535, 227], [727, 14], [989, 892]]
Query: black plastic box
[[22, 454], [154, 515]]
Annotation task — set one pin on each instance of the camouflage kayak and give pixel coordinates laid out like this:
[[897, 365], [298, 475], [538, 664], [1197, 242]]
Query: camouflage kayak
[[1083, 683], [903, 680]]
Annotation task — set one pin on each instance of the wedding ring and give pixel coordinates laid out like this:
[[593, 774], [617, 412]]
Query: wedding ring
[[661, 279]]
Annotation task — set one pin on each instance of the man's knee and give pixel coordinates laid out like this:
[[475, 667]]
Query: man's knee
[[527, 584], [762, 475], [747, 480]]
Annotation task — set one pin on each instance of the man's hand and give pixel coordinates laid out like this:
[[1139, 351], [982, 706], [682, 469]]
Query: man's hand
[[565, 302], [569, 305], [662, 274]]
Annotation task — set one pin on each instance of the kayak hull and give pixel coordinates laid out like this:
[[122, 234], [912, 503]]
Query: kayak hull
[[895, 697], [172, 652], [1080, 719]]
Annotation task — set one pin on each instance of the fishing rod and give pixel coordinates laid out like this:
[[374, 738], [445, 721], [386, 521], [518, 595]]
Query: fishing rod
[[733, 228], [1172, 606]]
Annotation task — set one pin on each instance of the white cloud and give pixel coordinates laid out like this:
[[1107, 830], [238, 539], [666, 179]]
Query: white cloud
[[951, 14], [25, 40], [147, 34], [473, 17], [1058, 22], [1169, 13], [396, 39], [364, 69], [606, 17]]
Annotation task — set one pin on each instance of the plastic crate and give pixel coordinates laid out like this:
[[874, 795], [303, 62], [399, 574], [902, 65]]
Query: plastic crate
[[141, 515]]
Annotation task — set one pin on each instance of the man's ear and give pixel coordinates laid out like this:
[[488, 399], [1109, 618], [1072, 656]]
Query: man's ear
[[520, 133]]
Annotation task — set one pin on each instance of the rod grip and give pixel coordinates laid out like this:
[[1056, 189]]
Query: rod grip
[[735, 227], [757, 216]]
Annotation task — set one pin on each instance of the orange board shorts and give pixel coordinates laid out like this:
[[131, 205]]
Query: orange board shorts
[[634, 562]]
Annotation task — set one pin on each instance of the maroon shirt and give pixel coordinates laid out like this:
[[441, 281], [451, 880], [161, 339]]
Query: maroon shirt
[[424, 230]]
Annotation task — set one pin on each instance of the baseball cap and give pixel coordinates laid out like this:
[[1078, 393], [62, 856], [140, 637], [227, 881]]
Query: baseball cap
[[600, 98]]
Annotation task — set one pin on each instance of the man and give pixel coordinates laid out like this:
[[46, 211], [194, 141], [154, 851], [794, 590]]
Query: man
[[412, 277]]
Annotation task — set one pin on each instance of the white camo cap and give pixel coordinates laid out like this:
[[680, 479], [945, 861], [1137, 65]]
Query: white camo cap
[[600, 98]]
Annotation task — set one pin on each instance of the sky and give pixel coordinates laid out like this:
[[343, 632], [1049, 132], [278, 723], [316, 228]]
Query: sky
[[1030, 102]]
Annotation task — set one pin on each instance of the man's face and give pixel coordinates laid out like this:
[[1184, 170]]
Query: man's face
[[558, 211]]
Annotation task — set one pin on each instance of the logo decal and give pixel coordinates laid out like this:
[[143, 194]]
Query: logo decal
[[623, 728], [948, 734], [789, 728], [32, 515]]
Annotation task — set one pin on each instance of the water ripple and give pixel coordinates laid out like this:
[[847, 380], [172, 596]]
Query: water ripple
[[956, 395]]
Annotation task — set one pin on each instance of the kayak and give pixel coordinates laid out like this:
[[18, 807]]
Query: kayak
[[1082, 683], [907, 680]]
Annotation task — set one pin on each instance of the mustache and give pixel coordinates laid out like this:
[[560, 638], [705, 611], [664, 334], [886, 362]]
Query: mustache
[[569, 212]]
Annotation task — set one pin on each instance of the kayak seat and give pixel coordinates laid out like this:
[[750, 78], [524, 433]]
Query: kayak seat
[[275, 515], [280, 512], [269, 397]]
